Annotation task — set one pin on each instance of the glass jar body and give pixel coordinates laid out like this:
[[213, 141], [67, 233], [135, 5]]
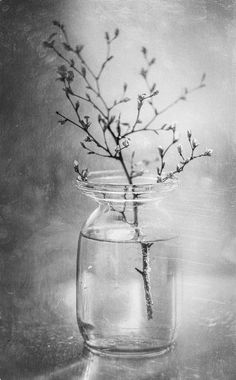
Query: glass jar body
[[128, 280]]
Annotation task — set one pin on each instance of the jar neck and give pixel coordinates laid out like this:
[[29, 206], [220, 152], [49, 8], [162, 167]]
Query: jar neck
[[110, 187], [127, 204]]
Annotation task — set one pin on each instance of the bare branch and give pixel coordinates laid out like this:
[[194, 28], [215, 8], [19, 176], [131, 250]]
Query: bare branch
[[110, 125]]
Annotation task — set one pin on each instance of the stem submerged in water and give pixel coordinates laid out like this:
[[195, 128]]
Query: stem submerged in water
[[145, 273], [145, 248]]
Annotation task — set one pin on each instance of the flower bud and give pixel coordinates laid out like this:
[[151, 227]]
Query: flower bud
[[125, 143], [189, 134], [117, 31], [194, 143], [84, 175], [161, 150], [143, 73], [76, 166], [76, 163], [208, 152], [178, 168], [180, 149]]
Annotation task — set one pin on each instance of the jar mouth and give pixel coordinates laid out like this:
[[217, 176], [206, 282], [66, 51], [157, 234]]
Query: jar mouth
[[112, 184]]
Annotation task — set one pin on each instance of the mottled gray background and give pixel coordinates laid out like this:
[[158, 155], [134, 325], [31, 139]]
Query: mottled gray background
[[41, 212]]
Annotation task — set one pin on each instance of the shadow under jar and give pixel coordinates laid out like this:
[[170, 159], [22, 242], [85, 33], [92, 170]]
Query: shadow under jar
[[127, 277]]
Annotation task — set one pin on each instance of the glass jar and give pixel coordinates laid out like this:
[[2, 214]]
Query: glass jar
[[127, 278]]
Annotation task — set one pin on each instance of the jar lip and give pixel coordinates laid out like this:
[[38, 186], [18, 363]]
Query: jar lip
[[115, 182]]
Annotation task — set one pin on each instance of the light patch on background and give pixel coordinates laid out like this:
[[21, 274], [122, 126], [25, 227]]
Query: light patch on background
[[69, 297]]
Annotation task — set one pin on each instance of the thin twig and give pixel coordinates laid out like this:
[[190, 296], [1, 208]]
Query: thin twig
[[66, 118]]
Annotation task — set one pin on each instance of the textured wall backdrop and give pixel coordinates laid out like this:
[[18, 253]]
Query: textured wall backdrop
[[40, 211]]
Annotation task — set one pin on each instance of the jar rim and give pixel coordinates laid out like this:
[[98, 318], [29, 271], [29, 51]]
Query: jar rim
[[113, 183]]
